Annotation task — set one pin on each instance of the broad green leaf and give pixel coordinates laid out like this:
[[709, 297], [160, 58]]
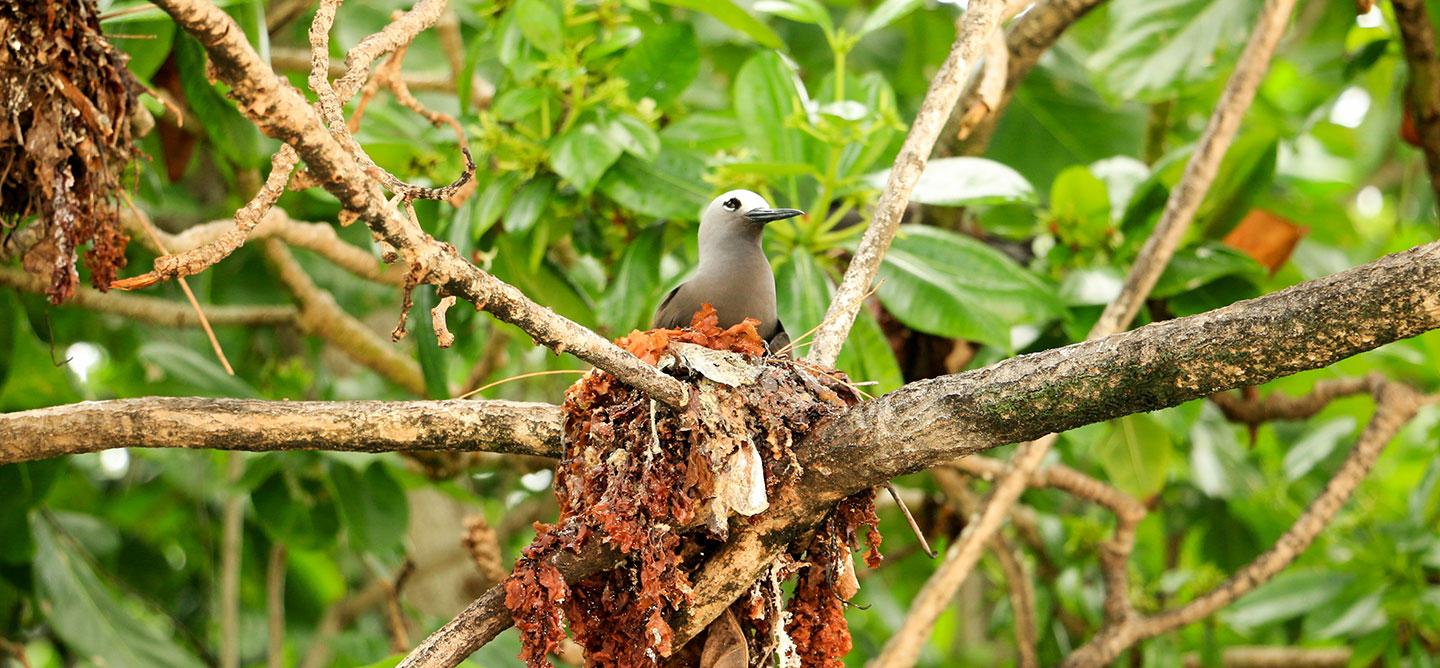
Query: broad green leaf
[[199, 371], [529, 203], [1080, 207], [803, 294], [662, 65], [372, 506], [946, 284], [965, 182], [297, 509], [517, 103], [888, 12], [767, 91], [540, 24], [705, 131], [543, 283], [619, 38], [1158, 48], [1319, 441], [1122, 175], [493, 202], [146, 53], [1195, 266], [433, 360], [670, 187], [803, 11], [25, 487], [1424, 502], [729, 13], [10, 314], [1352, 616], [1217, 462], [633, 135], [1291, 594], [1136, 455], [101, 625], [634, 290], [582, 155]]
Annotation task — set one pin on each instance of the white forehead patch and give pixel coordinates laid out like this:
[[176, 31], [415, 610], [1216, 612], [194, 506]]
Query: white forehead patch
[[738, 201]]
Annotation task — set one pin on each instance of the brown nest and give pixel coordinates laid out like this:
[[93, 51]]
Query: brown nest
[[66, 100], [660, 487]]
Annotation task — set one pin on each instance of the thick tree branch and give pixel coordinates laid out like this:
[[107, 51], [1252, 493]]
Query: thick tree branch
[[981, 19], [1417, 34], [261, 426], [282, 112]]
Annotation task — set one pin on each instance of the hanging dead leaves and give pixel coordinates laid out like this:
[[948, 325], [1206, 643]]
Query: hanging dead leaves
[[66, 101], [660, 486]]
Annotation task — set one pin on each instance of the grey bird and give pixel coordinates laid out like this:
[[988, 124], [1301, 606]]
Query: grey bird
[[734, 276]]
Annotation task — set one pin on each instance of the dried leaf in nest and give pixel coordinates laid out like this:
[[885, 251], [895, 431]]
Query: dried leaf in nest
[[65, 138], [659, 485]]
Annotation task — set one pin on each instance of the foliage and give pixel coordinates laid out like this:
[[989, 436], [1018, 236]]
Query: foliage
[[612, 122]]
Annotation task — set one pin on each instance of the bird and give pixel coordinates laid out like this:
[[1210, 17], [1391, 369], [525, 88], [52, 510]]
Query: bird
[[734, 275]]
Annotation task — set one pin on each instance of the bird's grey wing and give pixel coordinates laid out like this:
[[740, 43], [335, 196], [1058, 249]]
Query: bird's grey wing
[[668, 315], [779, 340]]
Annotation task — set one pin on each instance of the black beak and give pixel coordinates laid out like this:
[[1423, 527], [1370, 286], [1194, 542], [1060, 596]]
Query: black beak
[[772, 215]]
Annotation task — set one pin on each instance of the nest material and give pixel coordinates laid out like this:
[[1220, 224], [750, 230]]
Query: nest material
[[66, 101], [659, 486]]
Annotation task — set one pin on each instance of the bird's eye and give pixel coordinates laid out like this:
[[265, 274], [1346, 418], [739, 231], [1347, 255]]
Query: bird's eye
[[732, 204]]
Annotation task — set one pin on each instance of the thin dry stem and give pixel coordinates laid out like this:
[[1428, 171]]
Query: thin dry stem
[[231, 526], [1417, 35], [275, 607]]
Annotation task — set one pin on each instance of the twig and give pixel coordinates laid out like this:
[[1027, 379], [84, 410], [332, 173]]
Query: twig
[[1279, 657], [16, 650], [903, 647], [1395, 405], [1417, 35], [443, 337], [394, 614], [523, 376], [981, 19], [910, 519], [491, 358], [231, 530], [275, 607], [154, 310], [184, 286]]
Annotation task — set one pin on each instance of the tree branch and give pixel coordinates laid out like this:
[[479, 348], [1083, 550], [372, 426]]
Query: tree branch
[[261, 426], [981, 19], [154, 310], [280, 111], [1417, 34]]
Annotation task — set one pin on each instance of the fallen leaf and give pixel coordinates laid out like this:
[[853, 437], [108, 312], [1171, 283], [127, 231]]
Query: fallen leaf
[[1266, 237]]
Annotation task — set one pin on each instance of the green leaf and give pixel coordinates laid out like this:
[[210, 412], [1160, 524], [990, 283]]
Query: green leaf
[[633, 293], [1158, 48], [10, 314], [1217, 462], [298, 510], [803, 11], [705, 131], [730, 14], [1080, 206], [965, 182], [1291, 594], [529, 203], [517, 103], [803, 294], [493, 202], [662, 65], [149, 53], [543, 283], [1136, 455], [372, 506], [99, 624], [26, 486], [1317, 444], [232, 135], [1361, 613], [582, 155], [767, 91], [670, 187], [197, 370], [1195, 266], [540, 24], [633, 135], [433, 360], [943, 283], [888, 12]]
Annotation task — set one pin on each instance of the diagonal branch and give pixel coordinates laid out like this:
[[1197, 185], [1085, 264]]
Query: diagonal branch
[[981, 19], [1417, 34], [280, 111]]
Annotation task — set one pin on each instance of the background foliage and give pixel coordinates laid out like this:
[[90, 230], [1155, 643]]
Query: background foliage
[[612, 122]]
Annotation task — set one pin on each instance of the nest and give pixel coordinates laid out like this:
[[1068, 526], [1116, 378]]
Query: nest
[[661, 486], [65, 140]]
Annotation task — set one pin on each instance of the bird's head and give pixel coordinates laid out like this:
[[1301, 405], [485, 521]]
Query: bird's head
[[739, 215]]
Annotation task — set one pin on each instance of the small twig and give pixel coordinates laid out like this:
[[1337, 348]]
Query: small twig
[[443, 337], [154, 310], [523, 376], [231, 530], [909, 518], [275, 607], [491, 358], [17, 650], [394, 613], [184, 286], [1417, 35]]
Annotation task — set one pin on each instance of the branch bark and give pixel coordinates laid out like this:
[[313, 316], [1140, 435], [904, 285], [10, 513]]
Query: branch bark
[[281, 112], [1417, 34], [981, 19], [262, 426], [154, 310]]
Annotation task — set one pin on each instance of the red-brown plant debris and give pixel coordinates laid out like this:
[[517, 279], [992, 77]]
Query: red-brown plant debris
[[640, 477], [65, 105]]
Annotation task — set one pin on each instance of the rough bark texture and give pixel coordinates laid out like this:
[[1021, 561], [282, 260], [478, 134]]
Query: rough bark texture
[[280, 111], [243, 424]]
